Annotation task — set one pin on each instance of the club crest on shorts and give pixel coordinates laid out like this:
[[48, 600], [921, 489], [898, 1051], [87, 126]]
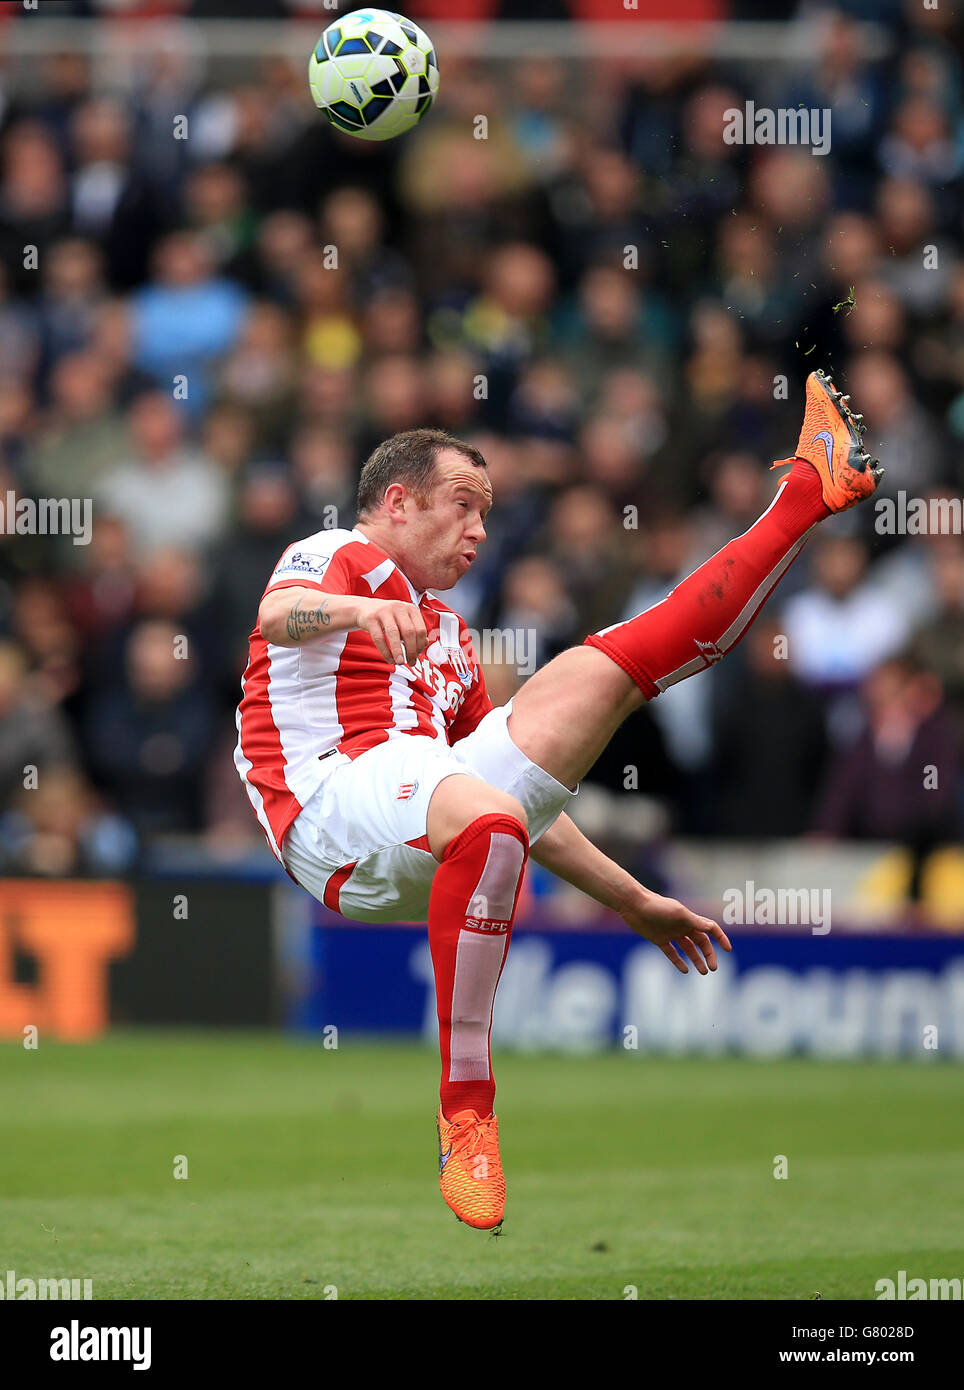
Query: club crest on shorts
[[406, 791]]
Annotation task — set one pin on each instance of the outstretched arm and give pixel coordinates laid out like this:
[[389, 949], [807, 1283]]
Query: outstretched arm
[[665, 922]]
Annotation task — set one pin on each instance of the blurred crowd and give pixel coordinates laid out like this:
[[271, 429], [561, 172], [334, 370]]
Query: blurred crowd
[[617, 306]]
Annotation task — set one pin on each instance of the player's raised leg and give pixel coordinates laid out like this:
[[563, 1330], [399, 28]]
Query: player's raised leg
[[565, 715], [478, 834]]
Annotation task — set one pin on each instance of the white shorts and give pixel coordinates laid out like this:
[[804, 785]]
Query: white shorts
[[359, 844]]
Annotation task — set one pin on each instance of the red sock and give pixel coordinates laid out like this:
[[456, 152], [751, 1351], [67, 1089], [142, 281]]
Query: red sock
[[707, 614], [470, 912]]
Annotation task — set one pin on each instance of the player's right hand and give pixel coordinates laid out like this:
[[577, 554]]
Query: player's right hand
[[397, 629], [676, 931]]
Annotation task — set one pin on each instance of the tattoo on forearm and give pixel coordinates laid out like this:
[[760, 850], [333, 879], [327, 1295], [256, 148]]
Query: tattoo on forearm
[[307, 622]]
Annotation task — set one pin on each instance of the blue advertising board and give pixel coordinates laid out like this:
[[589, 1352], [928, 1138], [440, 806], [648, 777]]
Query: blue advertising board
[[779, 993]]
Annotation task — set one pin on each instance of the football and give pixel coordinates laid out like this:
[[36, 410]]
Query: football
[[374, 74]]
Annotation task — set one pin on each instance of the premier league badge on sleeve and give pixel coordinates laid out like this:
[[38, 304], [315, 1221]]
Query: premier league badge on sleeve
[[300, 563]]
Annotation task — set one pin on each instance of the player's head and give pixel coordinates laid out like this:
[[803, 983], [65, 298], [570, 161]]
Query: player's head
[[423, 497]]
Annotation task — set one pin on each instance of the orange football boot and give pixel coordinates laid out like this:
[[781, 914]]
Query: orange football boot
[[832, 440], [470, 1169]]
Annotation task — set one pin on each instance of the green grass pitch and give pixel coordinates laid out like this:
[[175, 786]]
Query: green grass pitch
[[310, 1168]]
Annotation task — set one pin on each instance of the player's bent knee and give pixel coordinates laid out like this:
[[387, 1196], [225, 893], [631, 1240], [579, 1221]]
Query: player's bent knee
[[490, 826], [496, 802], [461, 803]]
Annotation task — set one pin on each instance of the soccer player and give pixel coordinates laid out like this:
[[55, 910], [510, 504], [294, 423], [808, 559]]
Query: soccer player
[[391, 789]]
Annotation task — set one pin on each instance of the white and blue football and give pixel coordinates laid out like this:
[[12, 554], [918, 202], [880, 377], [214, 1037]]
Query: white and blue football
[[374, 74]]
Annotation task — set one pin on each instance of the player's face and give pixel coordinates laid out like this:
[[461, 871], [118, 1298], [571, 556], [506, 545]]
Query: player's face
[[444, 537]]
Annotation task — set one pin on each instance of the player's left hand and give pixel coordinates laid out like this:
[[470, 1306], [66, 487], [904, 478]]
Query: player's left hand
[[677, 931]]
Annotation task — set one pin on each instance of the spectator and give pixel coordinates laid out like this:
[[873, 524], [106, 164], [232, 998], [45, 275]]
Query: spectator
[[392, 322], [259, 374], [331, 338], [900, 430], [899, 780], [147, 740], [614, 325], [110, 198], [73, 292], [83, 438], [770, 744], [186, 318], [101, 598], [266, 520], [669, 550], [352, 221], [738, 488], [536, 603], [921, 261], [587, 542], [19, 332], [34, 736], [34, 208], [842, 81], [60, 830], [167, 493], [325, 474], [842, 626], [939, 643], [216, 206]]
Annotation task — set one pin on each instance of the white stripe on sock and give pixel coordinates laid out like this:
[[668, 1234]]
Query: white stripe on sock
[[478, 961], [495, 891]]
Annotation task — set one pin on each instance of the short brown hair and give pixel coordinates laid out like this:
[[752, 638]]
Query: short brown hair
[[408, 458]]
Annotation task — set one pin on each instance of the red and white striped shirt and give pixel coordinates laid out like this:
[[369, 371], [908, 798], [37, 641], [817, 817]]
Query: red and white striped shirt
[[336, 691]]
